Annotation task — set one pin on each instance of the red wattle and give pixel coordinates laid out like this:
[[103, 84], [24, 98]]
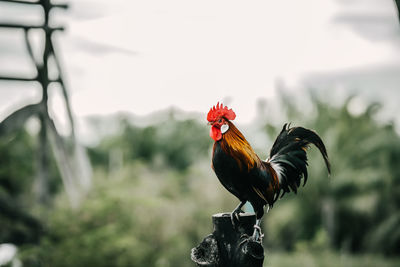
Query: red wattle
[[215, 133]]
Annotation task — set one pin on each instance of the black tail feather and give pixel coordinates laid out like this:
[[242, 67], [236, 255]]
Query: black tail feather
[[312, 138], [289, 158]]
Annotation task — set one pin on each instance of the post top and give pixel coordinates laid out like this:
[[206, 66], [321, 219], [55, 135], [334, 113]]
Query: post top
[[228, 215]]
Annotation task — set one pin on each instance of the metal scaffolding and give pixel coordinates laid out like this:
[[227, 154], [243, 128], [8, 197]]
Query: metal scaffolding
[[70, 158]]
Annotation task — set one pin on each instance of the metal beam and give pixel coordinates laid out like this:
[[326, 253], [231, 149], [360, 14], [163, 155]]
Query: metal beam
[[64, 6], [25, 79], [27, 27], [21, 79]]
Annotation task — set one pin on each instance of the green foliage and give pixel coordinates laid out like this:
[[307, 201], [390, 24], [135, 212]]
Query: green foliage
[[140, 217], [326, 259], [177, 143], [17, 225], [16, 161], [358, 206]]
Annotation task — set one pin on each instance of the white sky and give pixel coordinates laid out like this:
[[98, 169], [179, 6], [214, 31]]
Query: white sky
[[141, 56]]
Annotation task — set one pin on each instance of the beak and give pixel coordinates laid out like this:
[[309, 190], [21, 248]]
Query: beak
[[210, 123]]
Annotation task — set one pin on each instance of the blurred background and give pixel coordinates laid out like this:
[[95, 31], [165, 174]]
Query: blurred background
[[104, 149]]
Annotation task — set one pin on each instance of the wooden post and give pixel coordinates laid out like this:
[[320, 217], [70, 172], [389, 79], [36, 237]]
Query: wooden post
[[229, 246]]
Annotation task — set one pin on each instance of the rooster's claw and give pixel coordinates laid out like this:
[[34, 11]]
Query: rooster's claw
[[235, 217], [257, 235]]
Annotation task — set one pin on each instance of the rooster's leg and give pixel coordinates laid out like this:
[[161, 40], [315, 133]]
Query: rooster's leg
[[235, 213], [257, 235]]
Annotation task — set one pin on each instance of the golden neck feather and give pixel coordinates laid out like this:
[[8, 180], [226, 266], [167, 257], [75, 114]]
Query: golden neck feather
[[234, 143]]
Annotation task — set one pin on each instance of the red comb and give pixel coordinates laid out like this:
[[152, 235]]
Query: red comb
[[220, 111]]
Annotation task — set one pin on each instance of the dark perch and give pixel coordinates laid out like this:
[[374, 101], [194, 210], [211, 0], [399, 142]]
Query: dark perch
[[228, 246]]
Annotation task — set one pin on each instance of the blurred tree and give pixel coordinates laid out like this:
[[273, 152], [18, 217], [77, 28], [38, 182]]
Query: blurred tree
[[143, 218], [17, 225], [358, 207], [177, 143]]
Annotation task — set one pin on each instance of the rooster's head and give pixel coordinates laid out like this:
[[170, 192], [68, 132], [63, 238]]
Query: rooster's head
[[218, 117]]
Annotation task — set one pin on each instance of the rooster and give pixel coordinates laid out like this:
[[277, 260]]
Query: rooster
[[249, 178]]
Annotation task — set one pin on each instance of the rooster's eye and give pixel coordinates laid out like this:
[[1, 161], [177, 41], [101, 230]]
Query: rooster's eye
[[220, 120]]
